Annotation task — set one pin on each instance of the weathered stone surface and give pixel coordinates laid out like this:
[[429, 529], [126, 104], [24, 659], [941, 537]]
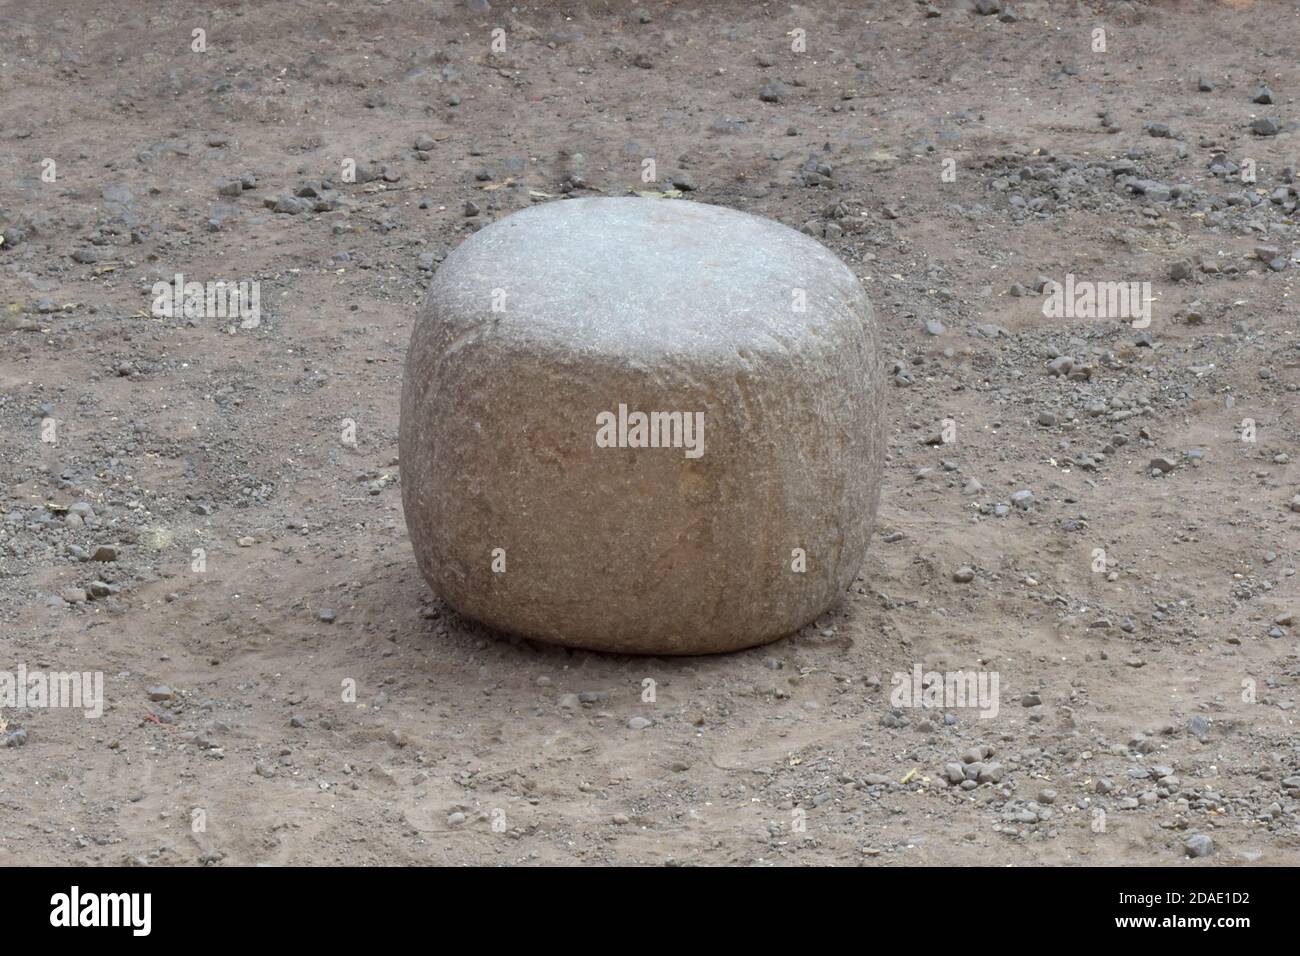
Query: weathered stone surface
[[658, 306]]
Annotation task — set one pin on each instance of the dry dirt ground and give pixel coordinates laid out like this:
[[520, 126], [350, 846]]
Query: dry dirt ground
[[1145, 700]]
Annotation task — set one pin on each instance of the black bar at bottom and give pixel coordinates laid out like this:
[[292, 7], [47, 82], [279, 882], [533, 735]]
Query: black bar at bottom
[[298, 905]]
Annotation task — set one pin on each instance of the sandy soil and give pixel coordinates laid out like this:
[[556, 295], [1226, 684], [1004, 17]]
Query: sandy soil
[[1165, 681]]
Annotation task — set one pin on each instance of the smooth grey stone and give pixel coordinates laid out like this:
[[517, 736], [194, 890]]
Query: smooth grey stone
[[1199, 844], [540, 326]]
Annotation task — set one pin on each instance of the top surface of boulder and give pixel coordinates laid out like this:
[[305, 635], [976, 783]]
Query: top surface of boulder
[[643, 278]]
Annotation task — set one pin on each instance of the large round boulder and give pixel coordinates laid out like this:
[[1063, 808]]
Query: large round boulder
[[642, 425]]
